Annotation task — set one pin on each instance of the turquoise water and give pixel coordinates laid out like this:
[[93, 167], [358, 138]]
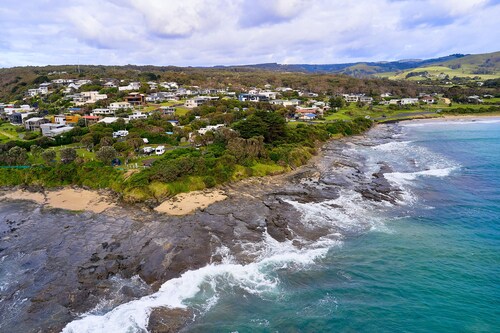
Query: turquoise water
[[435, 267], [429, 263]]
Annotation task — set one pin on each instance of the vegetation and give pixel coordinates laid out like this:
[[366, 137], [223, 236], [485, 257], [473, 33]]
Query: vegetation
[[251, 138]]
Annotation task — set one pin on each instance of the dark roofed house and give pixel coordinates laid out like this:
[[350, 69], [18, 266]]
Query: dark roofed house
[[136, 99]]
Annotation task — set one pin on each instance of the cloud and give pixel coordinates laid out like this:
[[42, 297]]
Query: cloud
[[224, 32], [260, 12]]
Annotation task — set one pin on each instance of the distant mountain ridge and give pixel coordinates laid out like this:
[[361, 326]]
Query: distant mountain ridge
[[363, 69]]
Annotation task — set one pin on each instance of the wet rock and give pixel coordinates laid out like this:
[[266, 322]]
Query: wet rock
[[166, 320], [277, 227]]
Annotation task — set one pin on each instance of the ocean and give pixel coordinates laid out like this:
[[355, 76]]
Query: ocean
[[428, 263]]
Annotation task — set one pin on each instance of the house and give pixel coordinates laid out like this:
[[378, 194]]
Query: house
[[17, 118], [51, 130], [312, 110], [137, 115], [252, 98], [120, 106], [428, 99], [108, 120], [103, 112], [366, 99], [130, 86], [90, 120], [269, 94], [195, 102], [167, 110], [308, 116], [109, 84], [350, 98], [33, 124], [210, 128], [59, 119], [88, 97], [408, 101], [135, 99], [153, 85]]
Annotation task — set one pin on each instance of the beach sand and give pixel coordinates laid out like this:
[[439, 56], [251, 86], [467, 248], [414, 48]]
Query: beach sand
[[67, 198], [187, 203]]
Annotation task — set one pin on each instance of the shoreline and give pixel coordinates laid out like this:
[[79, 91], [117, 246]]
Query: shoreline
[[74, 198]]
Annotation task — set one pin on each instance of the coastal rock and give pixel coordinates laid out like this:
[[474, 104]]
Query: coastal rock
[[166, 320]]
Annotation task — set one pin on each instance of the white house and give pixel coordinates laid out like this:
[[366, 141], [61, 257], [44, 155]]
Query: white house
[[137, 115], [120, 106], [109, 120], [130, 86], [102, 112], [210, 128], [52, 130], [409, 101]]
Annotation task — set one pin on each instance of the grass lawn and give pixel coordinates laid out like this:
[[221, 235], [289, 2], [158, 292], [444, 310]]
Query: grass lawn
[[466, 70], [8, 132]]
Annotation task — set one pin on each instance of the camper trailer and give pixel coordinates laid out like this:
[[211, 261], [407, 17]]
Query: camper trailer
[[160, 150]]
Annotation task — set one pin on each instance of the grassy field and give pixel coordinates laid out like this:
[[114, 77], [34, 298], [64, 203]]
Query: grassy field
[[465, 70], [381, 112], [8, 132]]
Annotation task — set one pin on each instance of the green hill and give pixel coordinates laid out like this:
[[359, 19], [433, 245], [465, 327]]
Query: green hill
[[477, 66]]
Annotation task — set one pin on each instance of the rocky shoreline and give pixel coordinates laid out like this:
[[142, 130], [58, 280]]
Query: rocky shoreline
[[70, 263]]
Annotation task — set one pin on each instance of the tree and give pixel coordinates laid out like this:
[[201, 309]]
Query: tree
[[88, 141], [49, 156], [36, 150], [106, 154], [106, 141], [336, 102], [17, 156], [252, 126], [68, 155]]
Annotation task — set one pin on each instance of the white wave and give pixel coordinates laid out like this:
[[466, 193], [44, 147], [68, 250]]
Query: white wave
[[392, 146], [348, 213], [451, 122], [253, 278], [401, 178]]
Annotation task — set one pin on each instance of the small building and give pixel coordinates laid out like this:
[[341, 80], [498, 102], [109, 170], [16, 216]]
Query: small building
[[408, 101], [103, 112], [51, 130], [135, 99], [252, 98], [108, 120], [308, 116], [120, 106], [137, 115], [33, 124], [428, 99], [90, 120], [167, 110], [210, 128]]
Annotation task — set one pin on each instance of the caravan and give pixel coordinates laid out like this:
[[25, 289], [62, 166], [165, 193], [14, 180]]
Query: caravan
[[160, 150]]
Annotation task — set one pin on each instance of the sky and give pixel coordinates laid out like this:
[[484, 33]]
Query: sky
[[231, 32]]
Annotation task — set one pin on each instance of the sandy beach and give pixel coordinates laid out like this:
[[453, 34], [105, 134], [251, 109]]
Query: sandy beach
[[187, 203], [67, 198]]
